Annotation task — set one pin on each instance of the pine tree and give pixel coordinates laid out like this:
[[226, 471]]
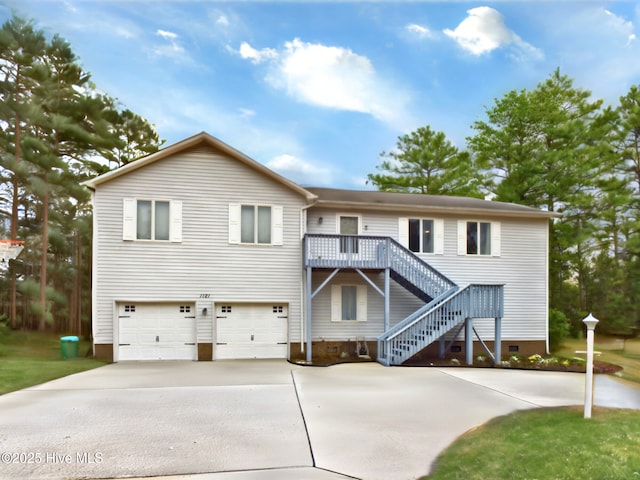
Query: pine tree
[[426, 162]]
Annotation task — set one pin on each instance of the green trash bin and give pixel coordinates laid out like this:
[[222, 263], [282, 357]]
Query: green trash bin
[[69, 346]]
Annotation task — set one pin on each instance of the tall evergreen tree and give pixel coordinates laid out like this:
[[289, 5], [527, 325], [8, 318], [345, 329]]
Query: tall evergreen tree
[[21, 51], [54, 126], [426, 162], [551, 147]]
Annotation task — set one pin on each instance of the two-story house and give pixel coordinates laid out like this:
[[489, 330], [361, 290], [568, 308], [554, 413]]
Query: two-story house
[[202, 253]]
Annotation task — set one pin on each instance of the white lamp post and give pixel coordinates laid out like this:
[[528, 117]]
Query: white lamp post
[[590, 321]]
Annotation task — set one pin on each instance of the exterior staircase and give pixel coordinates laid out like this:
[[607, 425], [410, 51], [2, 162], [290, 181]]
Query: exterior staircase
[[447, 305]]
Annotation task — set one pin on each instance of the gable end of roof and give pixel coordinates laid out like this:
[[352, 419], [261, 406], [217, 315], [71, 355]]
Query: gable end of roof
[[201, 138]]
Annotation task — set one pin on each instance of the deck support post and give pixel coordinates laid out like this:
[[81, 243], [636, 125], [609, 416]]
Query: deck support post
[[308, 315], [497, 343], [468, 340], [387, 299], [442, 346]]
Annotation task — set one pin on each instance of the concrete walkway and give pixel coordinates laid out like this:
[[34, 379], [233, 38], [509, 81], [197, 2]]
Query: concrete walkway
[[265, 420]]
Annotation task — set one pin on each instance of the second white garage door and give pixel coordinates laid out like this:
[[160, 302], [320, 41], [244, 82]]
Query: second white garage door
[[251, 330]]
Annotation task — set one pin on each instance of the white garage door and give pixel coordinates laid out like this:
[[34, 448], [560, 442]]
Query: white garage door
[[251, 330], [150, 331]]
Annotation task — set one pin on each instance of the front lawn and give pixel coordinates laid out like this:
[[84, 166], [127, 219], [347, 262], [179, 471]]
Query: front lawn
[[616, 351], [547, 444], [31, 358]]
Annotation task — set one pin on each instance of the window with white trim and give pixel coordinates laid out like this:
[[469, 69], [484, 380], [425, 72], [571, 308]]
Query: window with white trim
[[151, 219], [348, 303], [255, 224], [422, 235], [349, 225], [478, 238]]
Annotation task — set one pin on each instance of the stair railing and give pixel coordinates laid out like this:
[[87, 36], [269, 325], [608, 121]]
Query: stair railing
[[356, 251], [436, 318]]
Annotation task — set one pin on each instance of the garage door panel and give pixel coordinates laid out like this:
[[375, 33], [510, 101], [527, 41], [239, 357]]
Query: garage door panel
[[157, 332], [251, 331]]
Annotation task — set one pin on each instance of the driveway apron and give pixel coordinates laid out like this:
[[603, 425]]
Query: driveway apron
[[265, 420], [151, 419]]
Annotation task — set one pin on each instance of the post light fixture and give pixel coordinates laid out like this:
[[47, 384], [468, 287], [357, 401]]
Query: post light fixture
[[590, 321]]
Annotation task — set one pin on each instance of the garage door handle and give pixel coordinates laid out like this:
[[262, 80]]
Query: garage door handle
[[124, 344], [189, 343], [220, 343], [220, 316]]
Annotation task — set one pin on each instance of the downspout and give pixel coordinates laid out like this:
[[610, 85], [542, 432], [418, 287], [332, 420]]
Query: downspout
[[94, 274]]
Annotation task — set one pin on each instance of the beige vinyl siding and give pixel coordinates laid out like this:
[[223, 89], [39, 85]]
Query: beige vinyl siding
[[203, 267], [521, 266], [326, 329]]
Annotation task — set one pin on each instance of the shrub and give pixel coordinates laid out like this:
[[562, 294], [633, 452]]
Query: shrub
[[559, 328]]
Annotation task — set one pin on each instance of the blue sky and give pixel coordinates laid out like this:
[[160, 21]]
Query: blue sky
[[317, 90]]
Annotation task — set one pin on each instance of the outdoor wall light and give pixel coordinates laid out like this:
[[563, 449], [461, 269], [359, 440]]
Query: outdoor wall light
[[204, 311], [320, 220]]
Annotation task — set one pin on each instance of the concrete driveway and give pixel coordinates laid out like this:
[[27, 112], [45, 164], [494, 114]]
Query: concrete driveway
[[264, 420]]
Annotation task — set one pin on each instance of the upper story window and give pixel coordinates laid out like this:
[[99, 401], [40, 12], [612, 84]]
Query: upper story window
[[255, 224], [152, 220], [148, 219], [478, 238], [422, 235]]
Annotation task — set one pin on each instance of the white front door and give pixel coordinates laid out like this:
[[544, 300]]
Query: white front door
[[156, 331], [251, 330]]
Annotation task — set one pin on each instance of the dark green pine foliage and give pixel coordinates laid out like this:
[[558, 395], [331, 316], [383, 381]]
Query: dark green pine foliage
[[21, 50], [426, 162], [56, 127]]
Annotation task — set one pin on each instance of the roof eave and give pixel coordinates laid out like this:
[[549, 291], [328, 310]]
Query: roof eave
[[437, 209]]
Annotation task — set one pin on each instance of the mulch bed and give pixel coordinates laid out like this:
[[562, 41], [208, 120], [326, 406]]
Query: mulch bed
[[573, 366]]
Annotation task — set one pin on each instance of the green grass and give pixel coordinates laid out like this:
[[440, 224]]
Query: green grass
[[31, 358], [555, 444], [547, 444], [625, 353]]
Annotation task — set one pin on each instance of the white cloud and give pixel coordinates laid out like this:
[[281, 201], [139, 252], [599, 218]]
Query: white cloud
[[419, 31], [246, 113], [300, 171], [171, 48], [223, 20], [256, 56], [124, 32], [605, 60], [620, 25], [331, 77], [167, 35], [484, 30]]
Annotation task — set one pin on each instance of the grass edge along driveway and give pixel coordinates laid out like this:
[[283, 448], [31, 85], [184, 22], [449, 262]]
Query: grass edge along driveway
[[32, 358], [545, 444]]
